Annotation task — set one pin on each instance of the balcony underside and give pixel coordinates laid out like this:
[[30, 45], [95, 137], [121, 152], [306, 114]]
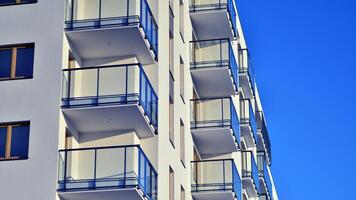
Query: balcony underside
[[249, 187], [214, 141], [245, 83], [213, 82], [206, 24], [214, 195], [113, 194], [109, 119], [105, 45], [246, 133]]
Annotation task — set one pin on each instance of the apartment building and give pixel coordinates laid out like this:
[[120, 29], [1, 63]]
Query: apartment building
[[129, 100]]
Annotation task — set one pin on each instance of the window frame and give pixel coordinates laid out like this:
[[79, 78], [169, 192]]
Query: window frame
[[14, 59], [7, 148], [182, 145]]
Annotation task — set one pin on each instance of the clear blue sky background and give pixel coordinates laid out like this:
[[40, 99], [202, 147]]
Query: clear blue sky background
[[304, 54]]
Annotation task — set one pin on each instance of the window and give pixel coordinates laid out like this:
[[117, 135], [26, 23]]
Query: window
[[182, 142], [171, 121], [14, 140], [181, 19], [182, 193], [181, 81], [16, 62], [15, 2], [171, 43], [171, 184], [171, 108]]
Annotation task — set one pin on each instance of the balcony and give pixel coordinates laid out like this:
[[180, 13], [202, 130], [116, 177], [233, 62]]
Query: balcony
[[214, 126], [109, 99], [246, 73], [214, 68], [106, 173], [250, 175], [265, 180], [248, 123], [209, 16], [264, 143], [99, 29], [215, 180]]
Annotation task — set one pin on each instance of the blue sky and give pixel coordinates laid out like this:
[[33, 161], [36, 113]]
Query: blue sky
[[304, 55]]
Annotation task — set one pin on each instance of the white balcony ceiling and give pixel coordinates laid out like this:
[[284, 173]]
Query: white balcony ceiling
[[110, 44], [211, 24], [107, 119], [213, 82]]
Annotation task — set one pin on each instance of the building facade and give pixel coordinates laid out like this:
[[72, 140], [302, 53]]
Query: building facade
[[129, 100]]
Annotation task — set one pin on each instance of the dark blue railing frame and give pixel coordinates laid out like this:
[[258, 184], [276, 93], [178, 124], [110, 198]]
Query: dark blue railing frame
[[252, 173], [149, 103], [231, 62], [224, 185], [142, 181], [146, 21], [219, 5], [233, 122], [21, 3]]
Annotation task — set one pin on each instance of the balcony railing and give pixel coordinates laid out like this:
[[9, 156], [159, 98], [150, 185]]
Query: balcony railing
[[94, 14], [266, 140], [216, 175], [246, 67], [109, 85], [250, 169], [263, 172], [250, 119], [214, 53], [106, 168], [212, 113], [203, 5]]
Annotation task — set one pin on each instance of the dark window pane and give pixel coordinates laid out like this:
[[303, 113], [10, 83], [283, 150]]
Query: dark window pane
[[19, 141], [3, 132], [5, 63], [24, 63]]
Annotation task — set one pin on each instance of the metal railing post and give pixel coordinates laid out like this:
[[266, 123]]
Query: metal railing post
[[97, 86], [65, 170], [95, 157]]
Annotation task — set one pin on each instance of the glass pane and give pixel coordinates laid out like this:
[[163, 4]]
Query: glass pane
[[131, 166], [211, 173], [114, 8], [5, 63], [65, 81], [83, 83], [133, 73], [110, 167], [86, 9], [3, 133], [61, 165], [112, 81], [24, 63], [210, 112], [20, 141], [80, 169]]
